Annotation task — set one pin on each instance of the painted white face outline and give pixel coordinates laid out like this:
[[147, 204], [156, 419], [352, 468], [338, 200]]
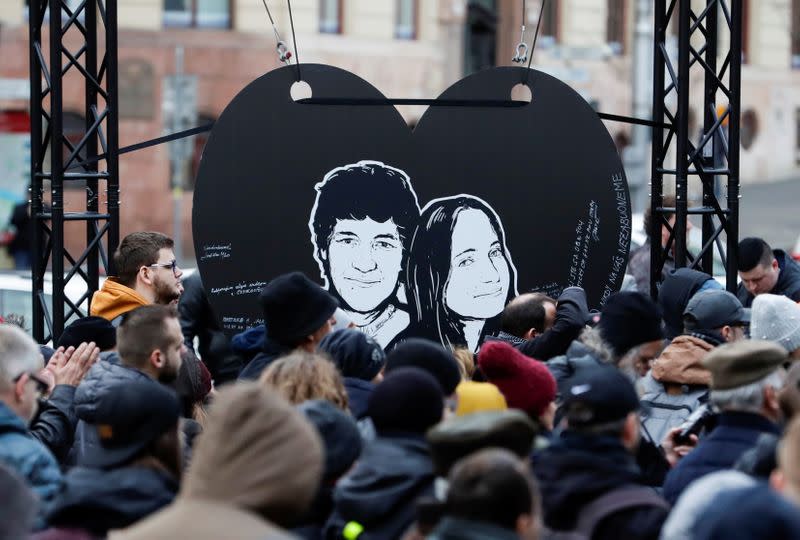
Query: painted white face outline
[[480, 276], [322, 253], [364, 261]]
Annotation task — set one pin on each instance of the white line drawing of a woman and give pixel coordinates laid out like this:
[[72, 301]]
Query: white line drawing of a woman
[[460, 273]]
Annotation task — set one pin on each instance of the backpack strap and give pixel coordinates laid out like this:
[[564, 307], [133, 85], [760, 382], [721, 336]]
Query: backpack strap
[[614, 501]]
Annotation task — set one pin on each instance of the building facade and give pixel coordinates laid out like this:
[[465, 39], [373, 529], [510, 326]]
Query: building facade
[[405, 48]]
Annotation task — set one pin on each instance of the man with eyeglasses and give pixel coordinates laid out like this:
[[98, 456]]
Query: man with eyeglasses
[[20, 389], [147, 273]]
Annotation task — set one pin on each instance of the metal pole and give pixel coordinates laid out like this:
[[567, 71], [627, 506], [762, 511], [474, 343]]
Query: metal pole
[[709, 114], [112, 132], [37, 158], [657, 161], [682, 133], [733, 143], [57, 167], [92, 202]]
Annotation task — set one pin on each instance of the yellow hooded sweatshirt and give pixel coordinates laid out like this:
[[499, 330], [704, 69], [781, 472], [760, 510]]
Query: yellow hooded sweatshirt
[[115, 299]]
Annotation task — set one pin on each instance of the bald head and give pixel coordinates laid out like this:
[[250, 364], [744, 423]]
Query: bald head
[[528, 315]]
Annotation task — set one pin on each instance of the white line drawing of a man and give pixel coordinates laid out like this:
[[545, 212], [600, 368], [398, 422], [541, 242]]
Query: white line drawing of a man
[[361, 223]]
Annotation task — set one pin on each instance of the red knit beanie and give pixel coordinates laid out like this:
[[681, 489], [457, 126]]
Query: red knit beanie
[[526, 383]]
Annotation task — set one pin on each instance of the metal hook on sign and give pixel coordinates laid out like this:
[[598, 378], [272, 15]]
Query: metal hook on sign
[[284, 54], [522, 49], [522, 54]]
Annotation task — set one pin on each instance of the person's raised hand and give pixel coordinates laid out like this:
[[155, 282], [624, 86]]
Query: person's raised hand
[[675, 448], [70, 366]]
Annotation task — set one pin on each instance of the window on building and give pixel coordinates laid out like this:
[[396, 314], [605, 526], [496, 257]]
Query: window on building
[[330, 16], [615, 25], [480, 43], [548, 29], [197, 13], [748, 128], [795, 29], [405, 26]]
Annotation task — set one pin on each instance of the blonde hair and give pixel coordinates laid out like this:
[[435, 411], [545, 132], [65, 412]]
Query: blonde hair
[[302, 376], [466, 362]]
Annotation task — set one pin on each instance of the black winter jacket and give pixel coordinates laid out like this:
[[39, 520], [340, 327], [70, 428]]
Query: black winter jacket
[[272, 351], [358, 392], [576, 470], [198, 320], [736, 432], [98, 501], [451, 528], [674, 294], [571, 315], [381, 492], [788, 280], [55, 422]]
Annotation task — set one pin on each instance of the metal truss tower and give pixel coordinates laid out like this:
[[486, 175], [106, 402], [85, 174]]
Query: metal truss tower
[[713, 155], [92, 28], [81, 44]]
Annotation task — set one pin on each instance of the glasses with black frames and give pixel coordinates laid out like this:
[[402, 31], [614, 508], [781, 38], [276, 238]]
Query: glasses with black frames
[[41, 385], [173, 265]]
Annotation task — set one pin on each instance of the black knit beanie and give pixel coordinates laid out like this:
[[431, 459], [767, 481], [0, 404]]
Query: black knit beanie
[[409, 400], [629, 319], [354, 353], [295, 307], [427, 355], [87, 329]]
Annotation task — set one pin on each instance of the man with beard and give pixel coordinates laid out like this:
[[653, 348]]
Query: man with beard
[[150, 346], [147, 273]]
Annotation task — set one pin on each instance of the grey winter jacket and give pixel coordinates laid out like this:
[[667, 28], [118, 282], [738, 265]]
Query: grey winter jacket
[[664, 411], [103, 376]]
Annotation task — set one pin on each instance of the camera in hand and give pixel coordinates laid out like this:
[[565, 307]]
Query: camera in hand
[[694, 424]]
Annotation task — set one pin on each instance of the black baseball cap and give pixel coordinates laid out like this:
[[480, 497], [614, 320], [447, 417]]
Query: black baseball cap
[[708, 310], [598, 395], [128, 417]]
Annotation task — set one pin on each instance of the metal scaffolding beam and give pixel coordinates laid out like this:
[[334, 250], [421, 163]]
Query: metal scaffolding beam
[[91, 57], [713, 156]]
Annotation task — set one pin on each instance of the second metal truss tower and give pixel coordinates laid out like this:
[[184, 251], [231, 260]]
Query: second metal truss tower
[[81, 43], [712, 155]]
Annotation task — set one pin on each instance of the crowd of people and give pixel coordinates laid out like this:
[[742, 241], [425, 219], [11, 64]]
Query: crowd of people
[[673, 418]]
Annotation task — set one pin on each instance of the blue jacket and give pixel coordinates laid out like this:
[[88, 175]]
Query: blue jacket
[[735, 433], [28, 457], [381, 491], [271, 352], [358, 392]]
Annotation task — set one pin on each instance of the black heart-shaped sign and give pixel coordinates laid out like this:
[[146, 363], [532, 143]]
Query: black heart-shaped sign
[[425, 233]]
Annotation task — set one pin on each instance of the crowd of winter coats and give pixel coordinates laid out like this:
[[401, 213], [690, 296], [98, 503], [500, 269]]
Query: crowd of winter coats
[[669, 418]]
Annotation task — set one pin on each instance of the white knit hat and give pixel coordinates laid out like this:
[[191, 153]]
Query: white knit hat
[[776, 318]]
